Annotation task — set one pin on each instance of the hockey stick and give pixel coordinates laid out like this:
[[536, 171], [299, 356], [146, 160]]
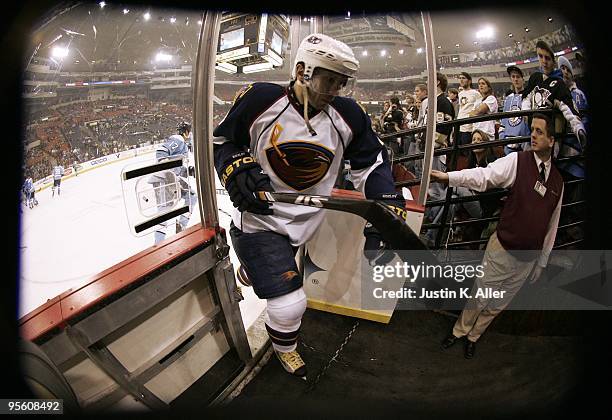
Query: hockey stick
[[395, 231], [392, 228]]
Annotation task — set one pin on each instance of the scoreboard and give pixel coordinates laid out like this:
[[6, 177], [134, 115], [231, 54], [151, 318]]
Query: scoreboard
[[252, 42]]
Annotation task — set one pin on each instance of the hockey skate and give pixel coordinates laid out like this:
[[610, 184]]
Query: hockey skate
[[292, 362]]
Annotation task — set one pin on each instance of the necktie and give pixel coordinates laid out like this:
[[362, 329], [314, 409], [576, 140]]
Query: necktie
[[542, 172]]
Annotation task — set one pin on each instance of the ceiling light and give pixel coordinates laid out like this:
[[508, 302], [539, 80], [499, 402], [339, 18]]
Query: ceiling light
[[550, 19], [383, 53], [102, 4], [485, 33], [257, 67], [419, 50], [510, 35], [126, 11], [163, 57], [199, 22], [439, 46], [147, 16], [59, 52], [364, 53], [457, 45], [526, 29], [226, 67], [401, 51], [172, 19]]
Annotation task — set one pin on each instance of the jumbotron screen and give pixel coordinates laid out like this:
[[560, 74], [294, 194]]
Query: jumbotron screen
[[231, 39]]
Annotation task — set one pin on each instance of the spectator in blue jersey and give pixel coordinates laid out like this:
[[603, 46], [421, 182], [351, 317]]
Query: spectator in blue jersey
[[580, 100], [58, 173], [514, 126], [296, 138], [177, 146]]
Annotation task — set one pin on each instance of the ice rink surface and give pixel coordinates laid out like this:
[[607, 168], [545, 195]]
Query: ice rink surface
[[71, 237]]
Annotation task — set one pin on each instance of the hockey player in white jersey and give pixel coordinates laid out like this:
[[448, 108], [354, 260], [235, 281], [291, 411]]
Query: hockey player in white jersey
[[177, 145], [287, 139], [58, 173]]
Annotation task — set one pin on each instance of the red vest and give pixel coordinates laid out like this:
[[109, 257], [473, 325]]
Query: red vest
[[524, 220]]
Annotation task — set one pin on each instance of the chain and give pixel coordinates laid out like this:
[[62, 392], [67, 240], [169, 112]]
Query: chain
[[314, 383]]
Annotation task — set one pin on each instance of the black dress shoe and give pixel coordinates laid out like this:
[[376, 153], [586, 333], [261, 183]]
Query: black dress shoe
[[449, 341], [470, 347]]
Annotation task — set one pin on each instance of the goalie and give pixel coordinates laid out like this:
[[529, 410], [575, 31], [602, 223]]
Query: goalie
[[296, 138], [166, 191]]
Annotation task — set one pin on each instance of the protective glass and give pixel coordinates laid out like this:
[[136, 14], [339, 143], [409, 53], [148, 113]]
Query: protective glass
[[325, 82]]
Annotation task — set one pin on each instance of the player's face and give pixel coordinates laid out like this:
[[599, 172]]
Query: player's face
[[546, 61], [540, 140], [324, 85], [517, 81]]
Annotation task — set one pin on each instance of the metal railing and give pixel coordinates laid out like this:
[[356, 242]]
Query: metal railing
[[453, 152]]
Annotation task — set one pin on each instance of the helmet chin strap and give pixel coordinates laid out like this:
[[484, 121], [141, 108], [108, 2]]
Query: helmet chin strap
[[304, 90]]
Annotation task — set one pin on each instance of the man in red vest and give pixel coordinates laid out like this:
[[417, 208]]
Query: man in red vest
[[528, 222]]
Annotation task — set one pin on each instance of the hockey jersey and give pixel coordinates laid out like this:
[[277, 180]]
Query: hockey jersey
[[551, 92], [515, 126], [267, 119], [174, 146], [58, 172], [444, 112], [28, 185]]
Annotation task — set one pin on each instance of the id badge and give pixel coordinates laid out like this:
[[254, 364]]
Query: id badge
[[540, 188]]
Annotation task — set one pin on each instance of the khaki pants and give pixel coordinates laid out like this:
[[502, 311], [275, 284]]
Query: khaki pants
[[502, 272]]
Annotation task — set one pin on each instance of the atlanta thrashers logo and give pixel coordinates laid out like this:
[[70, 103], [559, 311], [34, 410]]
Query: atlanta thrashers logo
[[299, 164], [314, 40]]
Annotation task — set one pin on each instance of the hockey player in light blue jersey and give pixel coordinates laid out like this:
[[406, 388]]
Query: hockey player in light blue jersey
[[58, 173], [177, 145], [28, 191]]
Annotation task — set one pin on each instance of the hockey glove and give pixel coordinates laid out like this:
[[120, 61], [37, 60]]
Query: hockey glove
[[376, 250], [243, 176]]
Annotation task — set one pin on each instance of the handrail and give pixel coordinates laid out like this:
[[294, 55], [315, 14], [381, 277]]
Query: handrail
[[470, 120], [453, 151]]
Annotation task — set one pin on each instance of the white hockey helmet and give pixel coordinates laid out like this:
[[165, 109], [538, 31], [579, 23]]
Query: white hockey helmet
[[322, 51]]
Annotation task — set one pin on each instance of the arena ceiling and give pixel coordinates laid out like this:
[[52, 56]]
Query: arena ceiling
[[119, 38]]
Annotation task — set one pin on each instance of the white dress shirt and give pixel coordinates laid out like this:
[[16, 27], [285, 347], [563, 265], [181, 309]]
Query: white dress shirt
[[501, 174]]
